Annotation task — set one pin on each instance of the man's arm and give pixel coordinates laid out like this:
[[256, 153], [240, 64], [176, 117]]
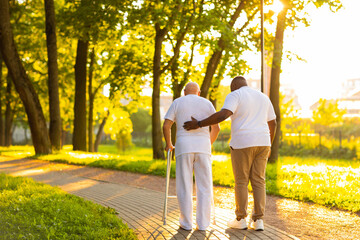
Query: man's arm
[[212, 120], [167, 134], [214, 132], [272, 127]]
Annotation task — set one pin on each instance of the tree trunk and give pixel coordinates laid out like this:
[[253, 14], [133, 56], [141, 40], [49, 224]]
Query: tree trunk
[[23, 85], [9, 116], [53, 82], [216, 84], [79, 135], [25, 133], [275, 80], [100, 133], [158, 148], [91, 102], [210, 71], [2, 133]]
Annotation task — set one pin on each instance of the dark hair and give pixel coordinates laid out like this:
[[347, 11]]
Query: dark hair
[[239, 78]]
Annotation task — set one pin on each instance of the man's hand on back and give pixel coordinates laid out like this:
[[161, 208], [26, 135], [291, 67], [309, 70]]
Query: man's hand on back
[[190, 125]]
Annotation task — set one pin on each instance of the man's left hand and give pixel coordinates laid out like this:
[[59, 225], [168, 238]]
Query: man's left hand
[[190, 125]]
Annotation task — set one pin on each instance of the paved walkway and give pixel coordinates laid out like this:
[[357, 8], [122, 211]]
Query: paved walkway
[[140, 208]]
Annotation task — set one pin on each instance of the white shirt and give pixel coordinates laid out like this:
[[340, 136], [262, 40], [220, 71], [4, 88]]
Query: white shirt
[[251, 111], [180, 111]]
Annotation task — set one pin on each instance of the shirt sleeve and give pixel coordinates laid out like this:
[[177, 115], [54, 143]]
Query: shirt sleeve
[[171, 112], [212, 109], [231, 102], [271, 112]]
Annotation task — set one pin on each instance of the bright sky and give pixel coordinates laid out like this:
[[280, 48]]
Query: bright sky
[[331, 47]]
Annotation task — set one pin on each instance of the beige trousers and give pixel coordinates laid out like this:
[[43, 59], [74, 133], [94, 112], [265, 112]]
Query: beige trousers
[[249, 164]]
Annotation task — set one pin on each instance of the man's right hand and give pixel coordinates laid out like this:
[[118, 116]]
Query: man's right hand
[[169, 147]]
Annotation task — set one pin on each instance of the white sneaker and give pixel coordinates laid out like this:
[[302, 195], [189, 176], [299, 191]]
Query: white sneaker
[[258, 225], [238, 224]]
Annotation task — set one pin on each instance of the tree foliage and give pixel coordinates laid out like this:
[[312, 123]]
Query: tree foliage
[[328, 113], [136, 44]]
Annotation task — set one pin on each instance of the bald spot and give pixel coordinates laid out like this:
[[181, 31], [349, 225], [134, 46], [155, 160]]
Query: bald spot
[[192, 88], [237, 83]]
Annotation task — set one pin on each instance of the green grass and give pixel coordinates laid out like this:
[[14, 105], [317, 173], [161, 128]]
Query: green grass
[[333, 183], [31, 210]]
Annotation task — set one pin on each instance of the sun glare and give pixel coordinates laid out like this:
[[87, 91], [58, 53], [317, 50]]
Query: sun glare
[[276, 7]]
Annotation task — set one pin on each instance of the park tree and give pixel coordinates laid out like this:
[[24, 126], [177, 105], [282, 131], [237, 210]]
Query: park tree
[[29, 20], [275, 78], [229, 40], [184, 25], [66, 56], [328, 113], [141, 119], [162, 17], [78, 16], [118, 124], [292, 14], [23, 85], [200, 33], [89, 22], [11, 102], [219, 32], [13, 109], [181, 66], [291, 120], [2, 134], [53, 82], [163, 24], [123, 67], [289, 114], [213, 32]]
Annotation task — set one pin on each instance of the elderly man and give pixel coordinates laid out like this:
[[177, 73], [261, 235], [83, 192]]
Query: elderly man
[[193, 151], [253, 124]]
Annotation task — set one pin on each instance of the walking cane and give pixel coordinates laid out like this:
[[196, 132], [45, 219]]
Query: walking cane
[[213, 208], [168, 169]]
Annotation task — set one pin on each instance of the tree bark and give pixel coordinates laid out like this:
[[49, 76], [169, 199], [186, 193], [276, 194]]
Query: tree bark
[[79, 135], [9, 116], [210, 70], [91, 102], [158, 148], [25, 133], [275, 80], [53, 82], [23, 85], [100, 133], [216, 56], [2, 133], [216, 84]]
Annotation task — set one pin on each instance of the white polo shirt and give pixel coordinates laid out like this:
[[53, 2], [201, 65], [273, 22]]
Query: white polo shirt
[[251, 111], [180, 111]]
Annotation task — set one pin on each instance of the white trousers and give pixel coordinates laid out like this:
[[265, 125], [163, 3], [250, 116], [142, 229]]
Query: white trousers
[[200, 163]]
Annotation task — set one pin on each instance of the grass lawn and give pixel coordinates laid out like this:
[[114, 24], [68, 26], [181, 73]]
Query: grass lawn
[[334, 183], [31, 210]]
